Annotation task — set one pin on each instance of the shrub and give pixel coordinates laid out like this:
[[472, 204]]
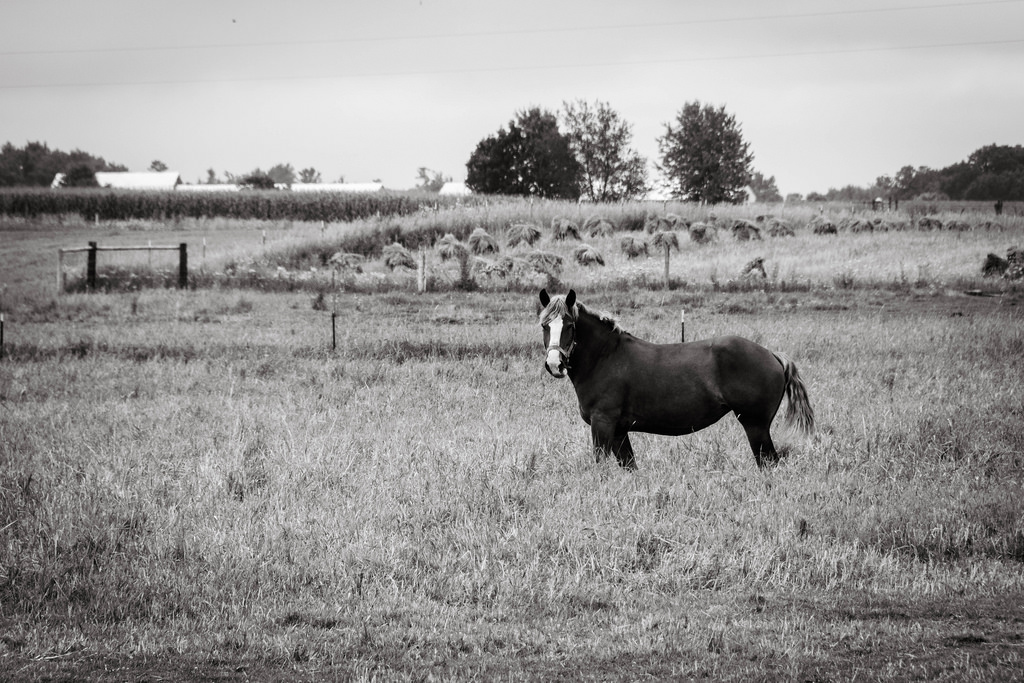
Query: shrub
[[502, 267], [564, 229], [744, 230], [779, 228], [482, 243], [666, 223], [632, 246], [665, 240], [449, 247], [595, 226], [633, 222], [754, 269], [397, 256], [994, 266], [523, 233], [344, 260], [587, 255], [546, 262], [702, 233], [820, 225]]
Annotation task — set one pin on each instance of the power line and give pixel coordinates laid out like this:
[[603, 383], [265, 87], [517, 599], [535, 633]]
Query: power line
[[499, 69], [516, 32]]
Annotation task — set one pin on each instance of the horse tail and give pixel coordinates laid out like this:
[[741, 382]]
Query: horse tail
[[799, 411]]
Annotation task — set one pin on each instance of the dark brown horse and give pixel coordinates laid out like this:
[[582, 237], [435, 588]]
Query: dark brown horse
[[625, 384]]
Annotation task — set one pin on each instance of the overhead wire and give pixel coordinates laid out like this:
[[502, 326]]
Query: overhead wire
[[516, 32], [527, 67]]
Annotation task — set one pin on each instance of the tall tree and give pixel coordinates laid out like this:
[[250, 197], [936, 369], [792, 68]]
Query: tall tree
[[282, 173], [600, 139], [992, 172], [430, 181], [10, 166], [531, 158], [764, 189], [704, 156], [80, 175], [911, 182], [158, 166], [257, 180], [309, 175]]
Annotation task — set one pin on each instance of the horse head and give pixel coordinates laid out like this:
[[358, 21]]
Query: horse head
[[558, 320]]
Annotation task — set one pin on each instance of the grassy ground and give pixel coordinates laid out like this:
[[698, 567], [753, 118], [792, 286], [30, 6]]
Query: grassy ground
[[289, 256], [193, 485]]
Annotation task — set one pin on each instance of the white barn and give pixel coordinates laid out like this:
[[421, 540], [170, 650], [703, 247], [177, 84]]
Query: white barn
[[150, 180], [455, 189]]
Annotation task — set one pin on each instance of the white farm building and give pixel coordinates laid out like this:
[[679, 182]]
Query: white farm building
[[150, 180], [455, 189]]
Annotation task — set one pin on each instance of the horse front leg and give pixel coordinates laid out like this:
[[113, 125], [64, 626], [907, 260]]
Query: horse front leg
[[608, 439], [624, 452]]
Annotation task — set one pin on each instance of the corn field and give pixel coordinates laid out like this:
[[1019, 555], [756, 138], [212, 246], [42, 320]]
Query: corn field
[[112, 205]]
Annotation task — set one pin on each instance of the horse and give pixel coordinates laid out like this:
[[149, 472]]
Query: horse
[[626, 384]]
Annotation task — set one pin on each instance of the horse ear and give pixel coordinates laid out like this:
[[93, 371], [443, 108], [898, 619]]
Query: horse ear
[[544, 298], [570, 299]]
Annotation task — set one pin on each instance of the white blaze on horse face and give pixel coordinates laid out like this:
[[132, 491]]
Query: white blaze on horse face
[[554, 359]]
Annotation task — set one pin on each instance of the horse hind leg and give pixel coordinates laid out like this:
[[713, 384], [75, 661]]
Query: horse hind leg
[[760, 442]]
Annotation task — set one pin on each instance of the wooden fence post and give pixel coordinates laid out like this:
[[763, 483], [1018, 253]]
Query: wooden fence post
[[421, 271], [60, 272], [90, 267], [668, 258], [183, 266]]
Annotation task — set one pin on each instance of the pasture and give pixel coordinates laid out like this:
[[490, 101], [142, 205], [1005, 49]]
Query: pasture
[[194, 485]]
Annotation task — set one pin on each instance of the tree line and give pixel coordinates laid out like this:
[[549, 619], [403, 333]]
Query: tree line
[[36, 165], [584, 151], [990, 173]]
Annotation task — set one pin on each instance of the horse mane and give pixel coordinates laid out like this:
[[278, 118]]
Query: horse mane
[[556, 308], [604, 317]]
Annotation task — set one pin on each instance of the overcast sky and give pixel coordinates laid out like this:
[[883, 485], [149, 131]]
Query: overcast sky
[[828, 93]]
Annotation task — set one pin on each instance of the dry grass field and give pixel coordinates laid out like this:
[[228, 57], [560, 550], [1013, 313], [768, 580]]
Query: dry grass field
[[194, 485]]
